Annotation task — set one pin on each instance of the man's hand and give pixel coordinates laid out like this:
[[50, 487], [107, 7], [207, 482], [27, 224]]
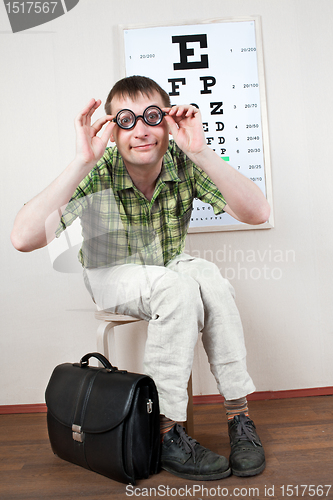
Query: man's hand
[[89, 147], [186, 127]]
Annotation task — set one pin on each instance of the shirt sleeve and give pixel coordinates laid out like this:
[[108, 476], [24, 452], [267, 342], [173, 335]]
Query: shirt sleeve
[[208, 192], [74, 209], [81, 196], [78, 202]]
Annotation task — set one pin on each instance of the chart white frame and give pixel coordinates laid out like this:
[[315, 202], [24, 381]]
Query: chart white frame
[[230, 223]]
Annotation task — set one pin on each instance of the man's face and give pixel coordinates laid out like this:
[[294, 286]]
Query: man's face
[[143, 145]]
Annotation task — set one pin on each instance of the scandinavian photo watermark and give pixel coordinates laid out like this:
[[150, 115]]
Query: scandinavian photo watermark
[[249, 264]]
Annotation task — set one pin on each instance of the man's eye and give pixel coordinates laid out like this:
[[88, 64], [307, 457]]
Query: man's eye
[[154, 117]]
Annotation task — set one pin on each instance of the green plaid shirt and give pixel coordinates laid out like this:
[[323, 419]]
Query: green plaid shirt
[[119, 224]]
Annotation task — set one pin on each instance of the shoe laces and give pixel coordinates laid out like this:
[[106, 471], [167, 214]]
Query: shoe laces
[[246, 430], [185, 441]]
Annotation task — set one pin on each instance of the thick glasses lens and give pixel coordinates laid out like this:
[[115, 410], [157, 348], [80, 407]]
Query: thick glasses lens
[[126, 118], [153, 115]]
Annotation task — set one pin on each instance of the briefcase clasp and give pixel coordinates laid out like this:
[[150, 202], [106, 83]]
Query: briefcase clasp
[[78, 435], [149, 406]]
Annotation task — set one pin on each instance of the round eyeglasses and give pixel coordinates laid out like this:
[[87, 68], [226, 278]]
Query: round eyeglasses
[[126, 119]]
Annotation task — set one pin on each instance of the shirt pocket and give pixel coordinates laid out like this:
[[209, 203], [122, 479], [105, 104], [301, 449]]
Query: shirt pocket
[[178, 223]]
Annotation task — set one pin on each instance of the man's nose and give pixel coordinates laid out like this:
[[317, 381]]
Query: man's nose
[[140, 128]]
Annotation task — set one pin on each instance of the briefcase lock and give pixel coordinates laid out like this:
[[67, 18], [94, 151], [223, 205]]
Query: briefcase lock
[[149, 406], [78, 435]]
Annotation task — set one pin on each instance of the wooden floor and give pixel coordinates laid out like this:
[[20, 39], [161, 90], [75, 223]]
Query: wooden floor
[[297, 435]]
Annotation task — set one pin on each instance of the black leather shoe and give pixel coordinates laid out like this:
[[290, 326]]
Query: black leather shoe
[[183, 456], [247, 457]]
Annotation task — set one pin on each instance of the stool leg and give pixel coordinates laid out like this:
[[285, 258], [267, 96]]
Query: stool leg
[[105, 338], [189, 424]]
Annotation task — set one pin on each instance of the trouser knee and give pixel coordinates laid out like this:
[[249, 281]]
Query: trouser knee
[[207, 275], [178, 295]]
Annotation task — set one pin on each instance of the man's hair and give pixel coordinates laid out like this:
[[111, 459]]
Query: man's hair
[[132, 86]]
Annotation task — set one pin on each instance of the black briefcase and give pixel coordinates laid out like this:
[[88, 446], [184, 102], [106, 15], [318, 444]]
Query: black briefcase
[[104, 419]]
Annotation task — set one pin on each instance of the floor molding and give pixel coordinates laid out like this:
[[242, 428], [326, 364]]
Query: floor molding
[[197, 400], [30, 408], [260, 396]]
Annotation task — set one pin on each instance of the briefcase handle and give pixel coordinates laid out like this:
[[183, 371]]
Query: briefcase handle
[[102, 359]]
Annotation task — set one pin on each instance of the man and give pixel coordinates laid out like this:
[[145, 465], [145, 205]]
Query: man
[[135, 202]]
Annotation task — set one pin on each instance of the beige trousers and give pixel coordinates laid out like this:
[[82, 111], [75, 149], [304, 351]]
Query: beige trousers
[[179, 301]]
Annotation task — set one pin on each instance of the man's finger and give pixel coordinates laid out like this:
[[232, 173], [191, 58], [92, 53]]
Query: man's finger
[[107, 132], [101, 121], [93, 108], [85, 114], [172, 125]]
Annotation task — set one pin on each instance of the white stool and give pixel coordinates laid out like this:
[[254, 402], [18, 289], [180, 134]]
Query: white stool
[[106, 344]]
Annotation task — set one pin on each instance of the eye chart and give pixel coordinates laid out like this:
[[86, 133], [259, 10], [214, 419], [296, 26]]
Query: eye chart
[[218, 67]]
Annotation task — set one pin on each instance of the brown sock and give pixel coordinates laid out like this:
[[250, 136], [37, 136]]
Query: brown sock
[[235, 407], [166, 425]]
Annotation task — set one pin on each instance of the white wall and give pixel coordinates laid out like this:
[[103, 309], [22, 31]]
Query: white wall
[[284, 294]]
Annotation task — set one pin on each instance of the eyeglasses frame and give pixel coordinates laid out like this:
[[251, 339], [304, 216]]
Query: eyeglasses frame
[[115, 120]]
